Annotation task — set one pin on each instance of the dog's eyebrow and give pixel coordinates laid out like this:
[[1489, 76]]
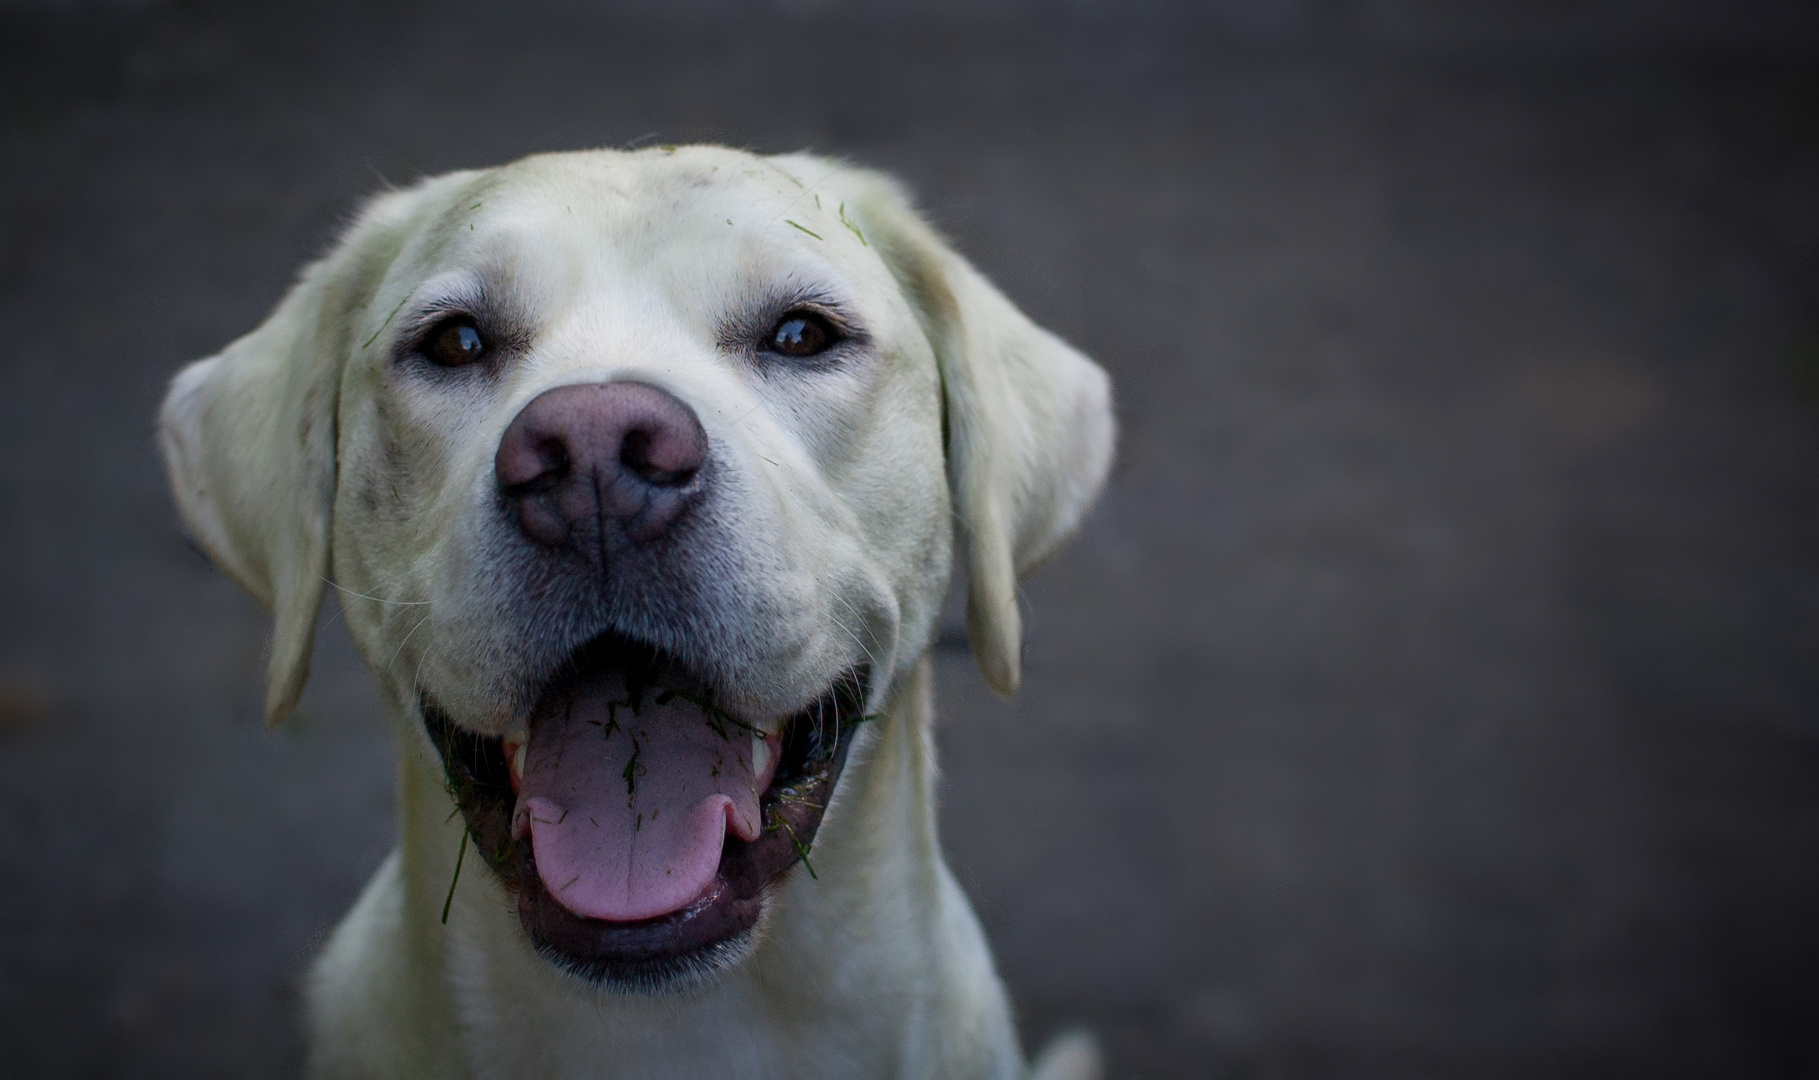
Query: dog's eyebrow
[[744, 325], [472, 295], [464, 295]]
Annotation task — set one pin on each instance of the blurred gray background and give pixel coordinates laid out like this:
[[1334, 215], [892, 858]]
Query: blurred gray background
[[1434, 694]]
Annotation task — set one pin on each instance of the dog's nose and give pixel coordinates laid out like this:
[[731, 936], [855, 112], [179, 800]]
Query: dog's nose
[[581, 460]]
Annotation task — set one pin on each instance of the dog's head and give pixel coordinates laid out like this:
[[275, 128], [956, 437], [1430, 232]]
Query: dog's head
[[638, 475]]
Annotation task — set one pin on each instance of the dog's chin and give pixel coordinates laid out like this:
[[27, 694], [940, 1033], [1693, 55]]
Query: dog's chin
[[687, 945]]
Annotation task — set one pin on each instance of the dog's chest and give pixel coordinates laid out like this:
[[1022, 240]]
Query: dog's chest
[[728, 1032]]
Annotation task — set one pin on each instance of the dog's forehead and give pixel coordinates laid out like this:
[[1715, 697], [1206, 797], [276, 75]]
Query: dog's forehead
[[689, 213], [628, 192]]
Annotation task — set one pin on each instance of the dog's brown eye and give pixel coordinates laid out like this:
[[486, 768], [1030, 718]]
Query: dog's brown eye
[[454, 342], [801, 333]]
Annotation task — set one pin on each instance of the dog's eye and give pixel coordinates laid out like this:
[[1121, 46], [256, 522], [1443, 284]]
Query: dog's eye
[[454, 342], [801, 333]]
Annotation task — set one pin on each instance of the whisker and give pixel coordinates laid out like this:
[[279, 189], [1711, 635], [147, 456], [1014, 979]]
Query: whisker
[[375, 599], [407, 638], [869, 655], [856, 639]]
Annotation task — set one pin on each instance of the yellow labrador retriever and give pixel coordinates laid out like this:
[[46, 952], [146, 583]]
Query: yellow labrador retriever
[[640, 477]]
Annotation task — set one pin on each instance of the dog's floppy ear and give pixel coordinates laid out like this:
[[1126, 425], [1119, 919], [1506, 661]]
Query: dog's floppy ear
[[249, 443], [1028, 419]]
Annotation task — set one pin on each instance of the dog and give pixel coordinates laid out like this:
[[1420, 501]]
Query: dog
[[640, 477]]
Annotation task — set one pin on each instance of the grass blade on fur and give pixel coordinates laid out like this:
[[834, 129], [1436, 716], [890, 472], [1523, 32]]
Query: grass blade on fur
[[460, 857], [801, 852], [400, 307]]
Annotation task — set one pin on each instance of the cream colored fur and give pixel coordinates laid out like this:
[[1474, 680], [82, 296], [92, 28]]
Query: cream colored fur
[[309, 452]]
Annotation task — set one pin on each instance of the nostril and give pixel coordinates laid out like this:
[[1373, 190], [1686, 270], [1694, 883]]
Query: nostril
[[635, 454], [661, 460], [529, 464], [552, 456]]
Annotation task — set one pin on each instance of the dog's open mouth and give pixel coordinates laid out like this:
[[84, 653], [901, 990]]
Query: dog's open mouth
[[641, 822]]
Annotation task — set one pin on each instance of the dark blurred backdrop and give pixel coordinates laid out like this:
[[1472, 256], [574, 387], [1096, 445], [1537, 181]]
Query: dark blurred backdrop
[[1434, 694]]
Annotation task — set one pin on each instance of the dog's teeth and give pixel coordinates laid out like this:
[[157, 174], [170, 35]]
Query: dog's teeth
[[517, 759], [761, 753]]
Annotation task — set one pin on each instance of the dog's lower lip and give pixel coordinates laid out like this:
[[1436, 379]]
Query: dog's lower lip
[[657, 952]]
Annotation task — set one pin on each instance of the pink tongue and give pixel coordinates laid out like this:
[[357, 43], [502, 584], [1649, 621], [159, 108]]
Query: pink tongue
[[627, 819]]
